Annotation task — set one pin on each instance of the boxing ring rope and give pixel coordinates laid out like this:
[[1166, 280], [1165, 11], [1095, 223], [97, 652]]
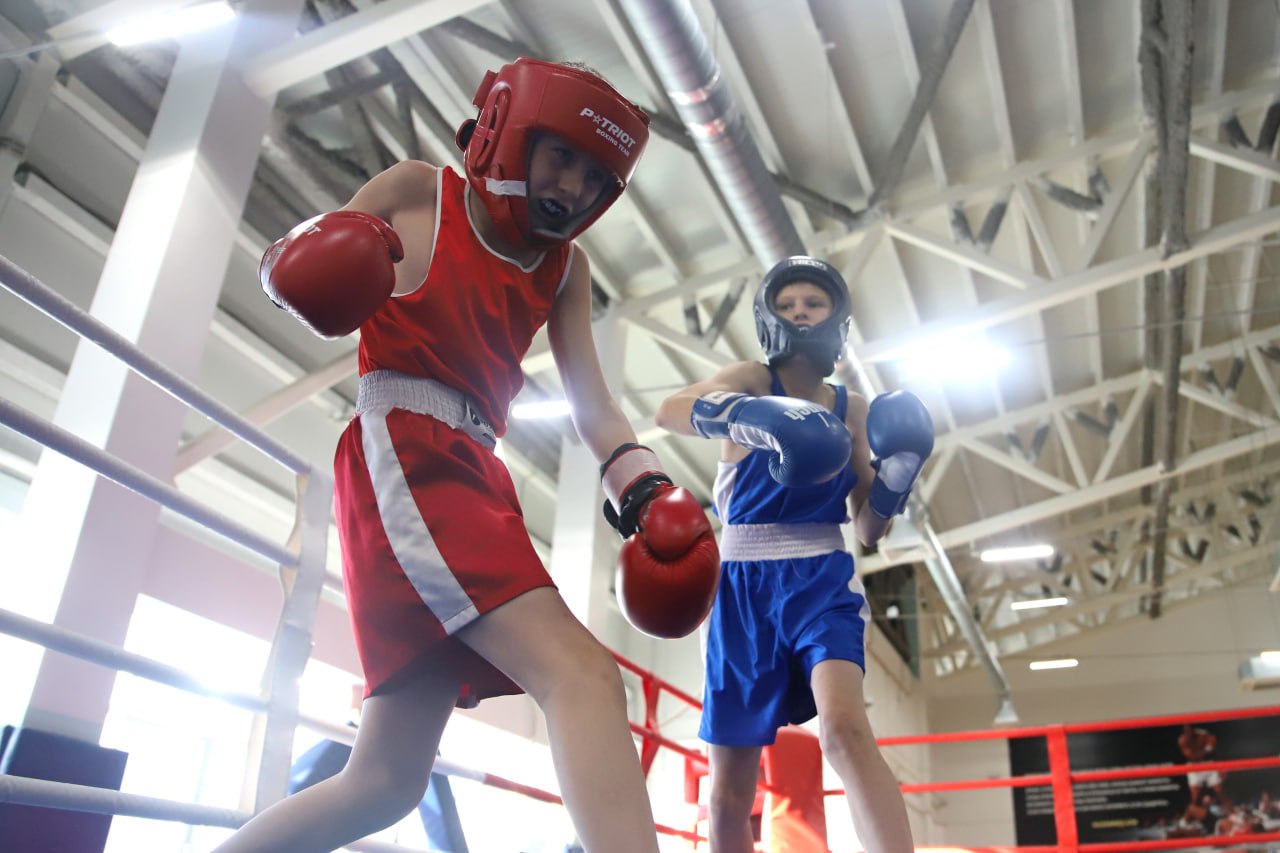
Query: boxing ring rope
[[302, 570], [73, 447], [66, 312], [85, 798], [345, 734], [39, 792]]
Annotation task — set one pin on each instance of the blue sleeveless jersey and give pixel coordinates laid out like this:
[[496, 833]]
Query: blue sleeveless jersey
[[745, 493]]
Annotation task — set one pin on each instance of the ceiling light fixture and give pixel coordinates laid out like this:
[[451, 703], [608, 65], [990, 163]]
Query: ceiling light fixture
[[1060, 663], [171, 24], [1034, 603], [541, 410], [954, 359], [1262, 671], [1021, 552]]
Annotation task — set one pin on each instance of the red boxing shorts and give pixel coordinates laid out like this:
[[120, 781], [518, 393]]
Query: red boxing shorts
[[432, 539]]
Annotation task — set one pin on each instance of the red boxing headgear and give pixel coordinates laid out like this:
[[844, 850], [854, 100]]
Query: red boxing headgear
[[528, 97]]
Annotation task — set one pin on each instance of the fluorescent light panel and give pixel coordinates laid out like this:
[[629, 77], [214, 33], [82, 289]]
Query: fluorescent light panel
[[1022, 552], [1060, 663], [541, 409], [170, 24], [1032, 604]]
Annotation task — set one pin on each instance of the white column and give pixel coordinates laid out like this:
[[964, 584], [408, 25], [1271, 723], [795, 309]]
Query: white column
[[584, 547], [89, 539]]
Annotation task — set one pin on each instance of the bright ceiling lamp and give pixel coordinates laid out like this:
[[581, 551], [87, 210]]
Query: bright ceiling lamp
[[954, 359], [171, 23], [1270, 657], [1035, 603], [541, 410], [1021, 552], [1059, 663]]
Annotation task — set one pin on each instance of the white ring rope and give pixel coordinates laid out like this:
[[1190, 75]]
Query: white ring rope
[[21, 790], [104, 654], [41, 793], [32, 290], [291, 646], [91, 456]]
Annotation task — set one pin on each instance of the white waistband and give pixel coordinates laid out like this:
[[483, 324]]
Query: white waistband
[[389, 389], [779, 541]]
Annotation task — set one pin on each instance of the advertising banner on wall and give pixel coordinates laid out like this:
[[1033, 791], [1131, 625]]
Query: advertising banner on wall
[[1159, 807]]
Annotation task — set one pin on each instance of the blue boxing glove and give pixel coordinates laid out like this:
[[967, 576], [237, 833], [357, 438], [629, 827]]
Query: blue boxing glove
[[808, 444], [900, 434]]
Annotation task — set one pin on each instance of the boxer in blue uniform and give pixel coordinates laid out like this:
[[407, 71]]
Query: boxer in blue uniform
[[786, 636]]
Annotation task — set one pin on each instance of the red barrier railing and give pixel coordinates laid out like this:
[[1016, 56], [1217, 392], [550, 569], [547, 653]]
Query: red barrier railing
[[1060, 777], [1080, 728], [651, 738]]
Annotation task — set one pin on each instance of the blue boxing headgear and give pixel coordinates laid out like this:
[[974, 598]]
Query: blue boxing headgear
[[821, 344]]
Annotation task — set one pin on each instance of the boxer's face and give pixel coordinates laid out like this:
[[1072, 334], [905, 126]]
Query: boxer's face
[[564, 182], [803, 304]]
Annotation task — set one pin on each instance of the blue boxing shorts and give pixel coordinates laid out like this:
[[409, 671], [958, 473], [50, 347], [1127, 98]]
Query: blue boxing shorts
[[774, 620]]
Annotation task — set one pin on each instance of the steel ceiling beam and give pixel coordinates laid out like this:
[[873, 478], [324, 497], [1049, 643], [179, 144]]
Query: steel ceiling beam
[[926, 91], [349, 38], [1122, 270]]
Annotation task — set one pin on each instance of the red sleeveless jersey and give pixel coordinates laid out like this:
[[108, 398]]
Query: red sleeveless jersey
[[473, 318]]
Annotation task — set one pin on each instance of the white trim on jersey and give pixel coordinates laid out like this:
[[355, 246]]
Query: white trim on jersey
[[466, 204]]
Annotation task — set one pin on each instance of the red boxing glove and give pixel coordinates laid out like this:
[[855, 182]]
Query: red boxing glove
[[333, 271], [669, 565], [669, 571]]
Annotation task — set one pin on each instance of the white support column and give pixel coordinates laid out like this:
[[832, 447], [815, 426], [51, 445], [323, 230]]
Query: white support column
[[584, 547], [88, 540]]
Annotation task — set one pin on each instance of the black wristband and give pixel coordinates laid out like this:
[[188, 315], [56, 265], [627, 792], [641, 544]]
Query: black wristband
[[626, 520], [621, 449]]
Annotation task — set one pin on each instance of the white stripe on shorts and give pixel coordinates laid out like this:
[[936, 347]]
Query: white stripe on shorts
[[410, 539]]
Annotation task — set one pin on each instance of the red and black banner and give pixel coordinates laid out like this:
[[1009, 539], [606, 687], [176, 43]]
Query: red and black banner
[[1208, 802]]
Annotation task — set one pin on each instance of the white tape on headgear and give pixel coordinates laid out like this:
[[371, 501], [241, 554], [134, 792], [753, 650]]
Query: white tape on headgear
[[511, 188]]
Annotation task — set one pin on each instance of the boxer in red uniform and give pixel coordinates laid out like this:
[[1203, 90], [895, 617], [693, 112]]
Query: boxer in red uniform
[[447, 279]]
